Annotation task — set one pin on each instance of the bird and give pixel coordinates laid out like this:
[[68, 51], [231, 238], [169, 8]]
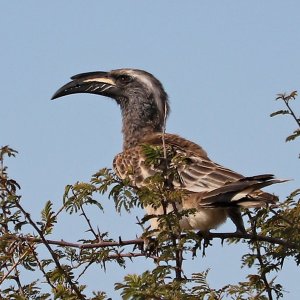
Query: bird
[[213, 192]]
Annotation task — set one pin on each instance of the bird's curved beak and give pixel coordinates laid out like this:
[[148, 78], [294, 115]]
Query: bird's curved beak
[[99, 83]]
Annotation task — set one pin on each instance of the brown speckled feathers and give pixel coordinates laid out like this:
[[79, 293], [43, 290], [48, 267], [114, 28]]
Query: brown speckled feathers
[[208, 185], [200, 175]]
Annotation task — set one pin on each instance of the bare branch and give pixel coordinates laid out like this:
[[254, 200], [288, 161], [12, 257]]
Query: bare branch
[[209, 235]]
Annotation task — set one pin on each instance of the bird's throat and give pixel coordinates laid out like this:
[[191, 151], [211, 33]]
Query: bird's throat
[[140, 117], [134, 133]]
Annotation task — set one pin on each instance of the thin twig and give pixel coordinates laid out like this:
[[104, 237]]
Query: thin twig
[[164, 132], [279, 216], [263, 272], [174, 237], [85, 269], [13, 267], [9, 252], [291, 112], [97, 237], [18, 281], [40, 266]]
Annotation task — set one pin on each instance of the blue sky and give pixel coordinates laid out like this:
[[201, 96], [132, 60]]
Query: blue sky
[[222, 64]]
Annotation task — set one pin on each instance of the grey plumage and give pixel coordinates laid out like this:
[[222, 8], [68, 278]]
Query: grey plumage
[[216, 192]]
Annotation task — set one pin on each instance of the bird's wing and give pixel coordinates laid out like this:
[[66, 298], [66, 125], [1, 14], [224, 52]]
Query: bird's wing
[[209, 184]]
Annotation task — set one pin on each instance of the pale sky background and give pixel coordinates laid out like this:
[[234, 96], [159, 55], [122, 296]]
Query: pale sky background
[[222, 64]]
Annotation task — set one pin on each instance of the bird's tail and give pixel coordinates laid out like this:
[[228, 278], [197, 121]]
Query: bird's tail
[[243, 193]]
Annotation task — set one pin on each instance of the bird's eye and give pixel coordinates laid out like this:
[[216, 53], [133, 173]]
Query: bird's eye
[[124, 79]]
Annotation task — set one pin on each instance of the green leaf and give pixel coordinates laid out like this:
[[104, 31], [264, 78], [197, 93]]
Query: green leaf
[[48, 218]]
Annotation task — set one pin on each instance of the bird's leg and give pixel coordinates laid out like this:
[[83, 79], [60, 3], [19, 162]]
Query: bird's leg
[[236, 217]]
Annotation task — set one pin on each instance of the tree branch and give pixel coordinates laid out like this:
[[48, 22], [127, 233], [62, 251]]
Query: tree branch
[[210, 235]]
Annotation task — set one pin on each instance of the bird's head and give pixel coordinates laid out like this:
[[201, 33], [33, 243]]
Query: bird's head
[[142, 98], [132, 89]]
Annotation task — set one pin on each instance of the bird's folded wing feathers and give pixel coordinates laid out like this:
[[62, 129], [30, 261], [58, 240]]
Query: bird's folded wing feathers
[[208, 183], [245, 193]]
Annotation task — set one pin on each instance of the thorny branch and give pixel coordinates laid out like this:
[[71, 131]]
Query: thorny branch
[[209, 235]]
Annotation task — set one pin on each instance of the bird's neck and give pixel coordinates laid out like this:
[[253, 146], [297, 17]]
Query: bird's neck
[[136, 126]]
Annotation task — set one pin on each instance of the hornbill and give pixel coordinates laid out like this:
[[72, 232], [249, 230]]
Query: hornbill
[[214, 191]]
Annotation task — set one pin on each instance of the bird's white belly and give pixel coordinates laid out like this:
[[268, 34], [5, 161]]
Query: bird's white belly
[[207, 218], [204, 219]]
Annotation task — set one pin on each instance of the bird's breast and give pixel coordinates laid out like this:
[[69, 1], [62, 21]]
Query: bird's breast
[[131, 165]]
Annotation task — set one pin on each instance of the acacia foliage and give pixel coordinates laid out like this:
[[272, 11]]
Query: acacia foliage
[[272, 237]]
